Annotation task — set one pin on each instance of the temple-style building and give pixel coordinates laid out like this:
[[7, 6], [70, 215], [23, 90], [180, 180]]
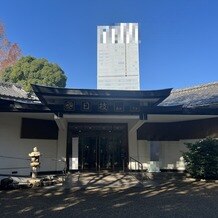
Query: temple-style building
[[95, 130]]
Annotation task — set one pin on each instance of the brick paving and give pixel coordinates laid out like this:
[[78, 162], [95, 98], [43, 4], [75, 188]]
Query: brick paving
[[167, 199]]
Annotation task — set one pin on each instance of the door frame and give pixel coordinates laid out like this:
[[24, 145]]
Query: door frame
[[73, 131]]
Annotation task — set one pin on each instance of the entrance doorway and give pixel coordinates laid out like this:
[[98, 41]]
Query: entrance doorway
[[102, 152], [101, 146]]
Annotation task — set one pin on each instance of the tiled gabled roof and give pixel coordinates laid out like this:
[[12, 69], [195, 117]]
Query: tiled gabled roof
[[197, 96], [11, 91]]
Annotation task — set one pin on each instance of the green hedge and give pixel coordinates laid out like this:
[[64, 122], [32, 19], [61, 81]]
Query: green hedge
[[202, 159]]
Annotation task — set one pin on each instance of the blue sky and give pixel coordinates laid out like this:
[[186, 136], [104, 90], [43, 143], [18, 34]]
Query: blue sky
[[179, 38]]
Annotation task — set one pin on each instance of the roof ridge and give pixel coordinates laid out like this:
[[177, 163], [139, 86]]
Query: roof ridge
[[9, 84], [21, 93], [195, 87]]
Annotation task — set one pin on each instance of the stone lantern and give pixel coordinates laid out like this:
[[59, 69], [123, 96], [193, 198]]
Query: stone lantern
[[34, 163]]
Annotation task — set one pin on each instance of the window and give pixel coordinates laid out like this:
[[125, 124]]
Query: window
[[38, 129]]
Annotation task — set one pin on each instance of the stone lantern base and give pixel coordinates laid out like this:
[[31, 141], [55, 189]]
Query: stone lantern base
[[35, 182]]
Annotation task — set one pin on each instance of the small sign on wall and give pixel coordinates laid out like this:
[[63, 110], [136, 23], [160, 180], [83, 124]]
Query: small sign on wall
[[73, 164], [74, 160]]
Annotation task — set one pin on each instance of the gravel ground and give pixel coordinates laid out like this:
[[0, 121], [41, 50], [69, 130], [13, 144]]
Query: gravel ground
[[169, 199]]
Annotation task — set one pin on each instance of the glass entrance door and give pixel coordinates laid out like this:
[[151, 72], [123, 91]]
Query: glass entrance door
[[105, 156], [104, 152], [95, 153], [101, 146], [88, 153]]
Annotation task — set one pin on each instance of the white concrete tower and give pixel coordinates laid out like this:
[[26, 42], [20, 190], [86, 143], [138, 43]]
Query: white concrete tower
[[118, 57]]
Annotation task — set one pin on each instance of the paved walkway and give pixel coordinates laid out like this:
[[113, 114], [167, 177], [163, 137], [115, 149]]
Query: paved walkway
[[169, 199]]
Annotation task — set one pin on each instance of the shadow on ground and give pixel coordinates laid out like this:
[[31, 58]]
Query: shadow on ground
[[168, 199]]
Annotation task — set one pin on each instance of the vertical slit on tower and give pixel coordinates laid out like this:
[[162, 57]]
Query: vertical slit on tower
[[125, 61]]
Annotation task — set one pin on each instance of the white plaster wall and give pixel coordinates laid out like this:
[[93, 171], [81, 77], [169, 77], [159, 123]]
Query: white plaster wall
[[144, 153], [132, 139], [171, 152], [12, 145], [133, 145], [139, 150], [133, 151], [61, 149]]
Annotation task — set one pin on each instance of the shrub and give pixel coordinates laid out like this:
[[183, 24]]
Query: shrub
[[202, 159]]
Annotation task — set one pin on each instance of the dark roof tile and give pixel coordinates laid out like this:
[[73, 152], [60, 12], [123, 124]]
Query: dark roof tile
[[197, 96], [15, 92]]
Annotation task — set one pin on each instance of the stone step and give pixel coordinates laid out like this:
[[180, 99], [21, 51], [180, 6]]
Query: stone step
[[165, 176], [86, 180], [100, 180]]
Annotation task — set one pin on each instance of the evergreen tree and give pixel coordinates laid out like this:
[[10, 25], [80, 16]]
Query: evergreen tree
[[29, 70]]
